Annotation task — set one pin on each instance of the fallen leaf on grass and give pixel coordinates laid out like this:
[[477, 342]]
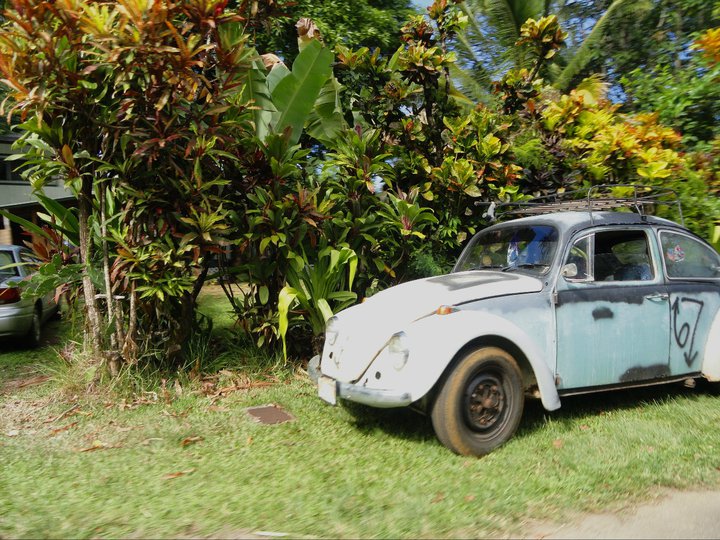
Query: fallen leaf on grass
[[216, 387], [64, 414], [98, 445], [63, 428], [151, 399], [439, 496], [150, 440], [175, 415], [178, 474], [191, 440], [218, 408], [584, 427], [558, 443], [33, 381], [469, 498]]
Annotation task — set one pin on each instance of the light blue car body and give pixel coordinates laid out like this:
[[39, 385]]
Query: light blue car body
[[569, 334]]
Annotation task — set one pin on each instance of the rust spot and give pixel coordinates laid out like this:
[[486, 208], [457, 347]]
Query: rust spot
[[269, 414]]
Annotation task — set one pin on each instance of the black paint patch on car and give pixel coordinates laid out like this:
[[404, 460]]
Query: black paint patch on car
[[602, 313], [641, 373], [617, 294]]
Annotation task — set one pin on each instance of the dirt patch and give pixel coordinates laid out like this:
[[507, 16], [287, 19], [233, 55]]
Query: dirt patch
[[672, 514], [22, 416]]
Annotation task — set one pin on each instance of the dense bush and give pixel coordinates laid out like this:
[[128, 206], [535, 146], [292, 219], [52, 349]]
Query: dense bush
[[311, 185]]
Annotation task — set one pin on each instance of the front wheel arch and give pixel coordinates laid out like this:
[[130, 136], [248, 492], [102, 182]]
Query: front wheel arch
[[528, 374]]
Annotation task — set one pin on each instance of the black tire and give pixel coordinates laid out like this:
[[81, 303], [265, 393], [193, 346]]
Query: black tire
[[32, 338], [480, 404]]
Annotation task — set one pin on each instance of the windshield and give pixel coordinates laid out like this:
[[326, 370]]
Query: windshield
[[511, 248]]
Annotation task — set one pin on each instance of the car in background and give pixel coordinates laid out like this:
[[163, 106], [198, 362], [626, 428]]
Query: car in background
[[575, 300], [21, 316]]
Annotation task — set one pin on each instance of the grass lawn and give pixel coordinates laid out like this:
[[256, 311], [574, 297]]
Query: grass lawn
[[195, 464]]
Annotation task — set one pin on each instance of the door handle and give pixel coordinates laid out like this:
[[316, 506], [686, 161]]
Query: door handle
[[657, 297]]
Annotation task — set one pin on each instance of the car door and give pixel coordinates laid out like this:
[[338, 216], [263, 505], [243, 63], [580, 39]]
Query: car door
[[612, 311], [693, 277]]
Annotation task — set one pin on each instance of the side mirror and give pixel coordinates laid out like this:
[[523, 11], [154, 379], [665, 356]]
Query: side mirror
[[569, 270]]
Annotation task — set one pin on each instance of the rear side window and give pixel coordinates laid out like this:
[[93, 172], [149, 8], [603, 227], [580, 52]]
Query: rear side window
[[622, 256], [6, 258], [688, 258], [617, 255]]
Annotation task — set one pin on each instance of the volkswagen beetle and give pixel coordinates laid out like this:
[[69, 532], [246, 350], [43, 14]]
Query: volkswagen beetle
[[543, 306]]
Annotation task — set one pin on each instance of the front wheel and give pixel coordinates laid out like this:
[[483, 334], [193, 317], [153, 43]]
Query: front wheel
[[480, 403]]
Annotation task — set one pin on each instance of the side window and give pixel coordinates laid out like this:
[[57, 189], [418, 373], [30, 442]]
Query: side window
[[622, 256], [577, 262], [6, 268], [686, 257], [610, 256]]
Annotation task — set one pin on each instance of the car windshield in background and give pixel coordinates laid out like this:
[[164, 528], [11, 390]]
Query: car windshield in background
[[6, 258], [529, 248]]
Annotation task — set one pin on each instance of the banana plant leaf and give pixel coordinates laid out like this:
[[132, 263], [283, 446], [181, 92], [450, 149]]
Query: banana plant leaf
[[326, 119], [256, 91], [295, 94]]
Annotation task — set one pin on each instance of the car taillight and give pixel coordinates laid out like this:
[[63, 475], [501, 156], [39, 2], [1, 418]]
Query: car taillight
[[9, 296]]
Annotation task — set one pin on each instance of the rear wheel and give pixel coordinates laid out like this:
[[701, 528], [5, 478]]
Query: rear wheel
[[33, 336], [480, 404]]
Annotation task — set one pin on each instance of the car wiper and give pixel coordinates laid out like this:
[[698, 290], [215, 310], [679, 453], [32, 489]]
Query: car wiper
[[523, 265], [490, 267]]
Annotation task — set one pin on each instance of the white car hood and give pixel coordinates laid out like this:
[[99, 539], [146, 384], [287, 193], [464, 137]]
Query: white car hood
[[364, 329]]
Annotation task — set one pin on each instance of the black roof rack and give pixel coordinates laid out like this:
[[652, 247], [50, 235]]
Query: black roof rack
[[638, 198]]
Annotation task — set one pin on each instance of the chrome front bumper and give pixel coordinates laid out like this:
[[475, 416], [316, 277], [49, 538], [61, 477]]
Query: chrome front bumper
[[360, 394]]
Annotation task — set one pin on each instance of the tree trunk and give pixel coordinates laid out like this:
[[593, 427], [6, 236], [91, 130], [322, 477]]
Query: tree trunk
[[92, 326], [114, 312]]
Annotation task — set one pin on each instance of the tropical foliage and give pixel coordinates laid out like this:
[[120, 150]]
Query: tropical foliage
[[309, 184]]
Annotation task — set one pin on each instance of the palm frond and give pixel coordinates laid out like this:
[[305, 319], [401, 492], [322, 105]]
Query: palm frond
[[476, 88], [584, 54], [503, 16]]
